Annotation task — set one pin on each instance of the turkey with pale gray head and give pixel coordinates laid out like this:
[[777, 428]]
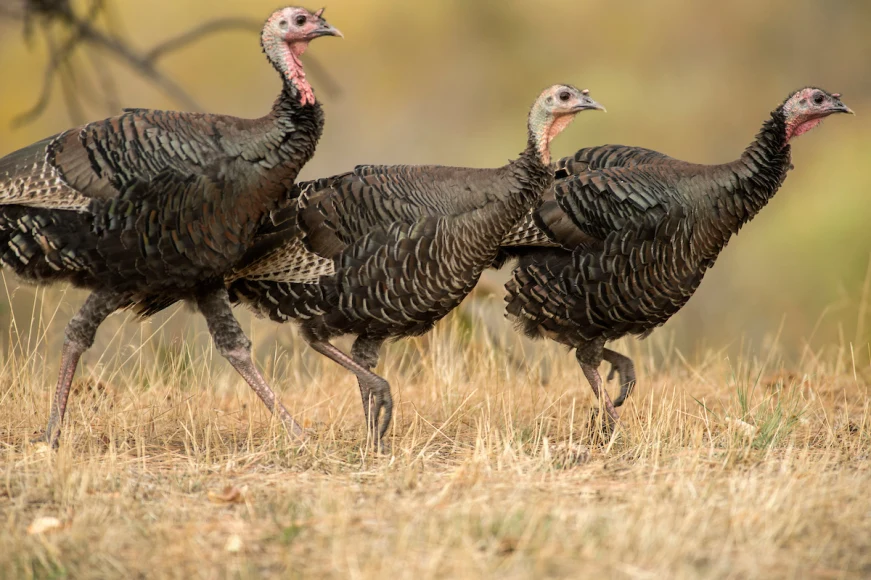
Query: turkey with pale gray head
[[152, 207], [638, 230], [384, 252]]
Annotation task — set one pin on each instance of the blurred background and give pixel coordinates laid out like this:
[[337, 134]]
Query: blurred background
[[450, 81]]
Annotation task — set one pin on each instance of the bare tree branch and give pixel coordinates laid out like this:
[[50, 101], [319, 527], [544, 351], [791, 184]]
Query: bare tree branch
[[106, 82], [330, 86], [69, 90], [118, 49], [57, 56], [183, 40], [84, 31]]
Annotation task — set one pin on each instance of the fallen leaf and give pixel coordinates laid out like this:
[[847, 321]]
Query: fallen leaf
[[43, 525], [230, 494], [234, 544], [506, 546], [745, 428], [41, 447]]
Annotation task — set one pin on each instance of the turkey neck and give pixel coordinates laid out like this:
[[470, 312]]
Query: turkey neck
[[524, 180], [531, 171], [751, 181], [277, 146], [530, 174], [766, 162], [291, 119]]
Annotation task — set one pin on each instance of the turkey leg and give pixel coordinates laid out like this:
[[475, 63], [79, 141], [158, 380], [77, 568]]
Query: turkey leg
[[589, 356], [622, 366], [78, 337], [234, 346], [366, 352], [372, 386]]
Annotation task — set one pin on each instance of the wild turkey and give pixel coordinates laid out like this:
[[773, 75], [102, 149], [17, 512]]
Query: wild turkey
[[152, 207], [639, 229], [386, 252]]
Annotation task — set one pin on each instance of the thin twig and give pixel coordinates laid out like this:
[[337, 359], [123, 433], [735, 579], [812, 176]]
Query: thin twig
[[56, 59], [69, 89], [330, 85], [84, 31], [106, 82], [118, 49], [183, 40]]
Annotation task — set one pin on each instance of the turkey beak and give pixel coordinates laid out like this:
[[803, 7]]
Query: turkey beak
[[842, 108], [325, 29], [588, 104]]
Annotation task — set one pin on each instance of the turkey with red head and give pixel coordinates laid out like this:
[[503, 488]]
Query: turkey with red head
[[151, 207], [636, 231]]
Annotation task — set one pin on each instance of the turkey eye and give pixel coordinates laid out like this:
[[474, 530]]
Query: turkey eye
[[818, 99], [300, 20], [564, 96]]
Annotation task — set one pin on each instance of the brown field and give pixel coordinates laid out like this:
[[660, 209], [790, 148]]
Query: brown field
[[169, 467]]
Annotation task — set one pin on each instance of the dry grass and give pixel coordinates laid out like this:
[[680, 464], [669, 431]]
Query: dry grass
[[170, 468]]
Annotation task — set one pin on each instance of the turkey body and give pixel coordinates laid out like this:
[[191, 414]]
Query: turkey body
[[637, 231], [385, 252], [151, 207], [156, 205], [406, 245], [646, 233]]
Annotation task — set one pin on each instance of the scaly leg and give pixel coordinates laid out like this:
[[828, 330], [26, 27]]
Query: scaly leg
[[371, 384], [234, 346], [622, 365], [589, 356], [366, 352], [78, 337], [595, 381]]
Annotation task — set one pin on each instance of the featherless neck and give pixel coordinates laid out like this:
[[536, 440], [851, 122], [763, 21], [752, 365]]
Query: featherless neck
[[285, 58], [543, 127]]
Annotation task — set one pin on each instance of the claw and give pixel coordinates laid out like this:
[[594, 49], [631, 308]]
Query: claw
[[380, 413], [387, 404], [53, 442], [622, 366], [625, 388], [383, 402]]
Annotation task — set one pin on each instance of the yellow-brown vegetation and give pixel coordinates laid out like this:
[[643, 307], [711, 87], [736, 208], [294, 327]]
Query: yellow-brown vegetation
[[170, 467]]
